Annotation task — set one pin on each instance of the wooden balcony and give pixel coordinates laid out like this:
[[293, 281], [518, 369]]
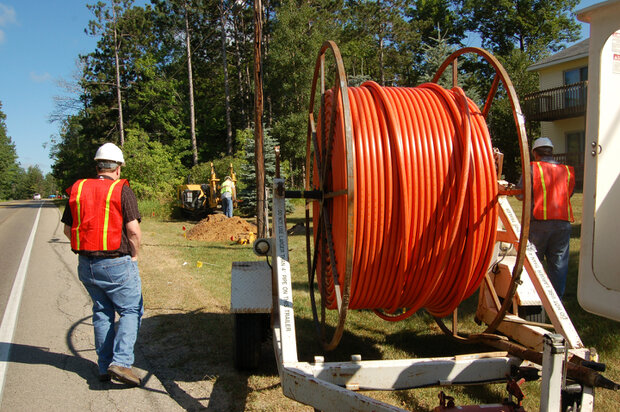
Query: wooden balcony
[[558, 103]]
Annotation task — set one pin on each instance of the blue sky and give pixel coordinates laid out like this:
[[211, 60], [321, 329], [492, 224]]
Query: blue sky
[[40, 41]]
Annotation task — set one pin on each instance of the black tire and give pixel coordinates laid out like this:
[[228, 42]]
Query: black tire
[[248, 338], [571, 398], [266, 333], [533, 314]]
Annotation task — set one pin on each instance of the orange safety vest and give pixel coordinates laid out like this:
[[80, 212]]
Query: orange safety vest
[[553, 186], [97, 214]]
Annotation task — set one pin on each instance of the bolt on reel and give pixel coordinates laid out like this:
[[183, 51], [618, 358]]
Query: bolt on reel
[[359, 229]]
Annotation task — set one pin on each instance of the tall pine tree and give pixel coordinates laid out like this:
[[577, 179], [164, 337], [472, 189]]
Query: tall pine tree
[[9, 168]]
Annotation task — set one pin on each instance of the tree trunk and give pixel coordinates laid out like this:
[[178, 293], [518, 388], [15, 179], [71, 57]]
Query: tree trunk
[[192, 117], [258, 121], [121, 128], [249, 87], [229, 142]]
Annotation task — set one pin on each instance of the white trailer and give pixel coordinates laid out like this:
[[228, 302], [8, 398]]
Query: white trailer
[[599, 280]]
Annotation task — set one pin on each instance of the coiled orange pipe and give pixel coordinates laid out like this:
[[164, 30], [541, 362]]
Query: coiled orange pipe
[[425, 201]]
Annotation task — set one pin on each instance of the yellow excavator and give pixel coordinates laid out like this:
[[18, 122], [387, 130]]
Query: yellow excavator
[[197, 200]]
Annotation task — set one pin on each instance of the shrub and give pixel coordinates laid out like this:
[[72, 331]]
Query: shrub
[[152, 169]]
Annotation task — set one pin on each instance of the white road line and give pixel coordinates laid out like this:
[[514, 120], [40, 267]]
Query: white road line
[[7, 328]]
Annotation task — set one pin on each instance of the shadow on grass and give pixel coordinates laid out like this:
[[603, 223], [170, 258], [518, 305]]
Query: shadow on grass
[[182, 349], [198, 347], [194, 347], [432, 345]]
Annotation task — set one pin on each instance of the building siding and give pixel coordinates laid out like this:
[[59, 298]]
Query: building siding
[[554, 76], [556, 131]]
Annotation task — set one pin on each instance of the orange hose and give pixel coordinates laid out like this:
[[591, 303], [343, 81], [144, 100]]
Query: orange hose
[[425, 205]]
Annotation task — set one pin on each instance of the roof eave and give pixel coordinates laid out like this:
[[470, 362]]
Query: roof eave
[[541, 66], [585, 14]]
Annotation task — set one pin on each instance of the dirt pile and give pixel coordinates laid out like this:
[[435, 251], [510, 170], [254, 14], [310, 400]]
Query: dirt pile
[[219, 228]]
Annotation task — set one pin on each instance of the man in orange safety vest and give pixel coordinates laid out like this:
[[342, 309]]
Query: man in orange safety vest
[[103, 223], [550, 227]]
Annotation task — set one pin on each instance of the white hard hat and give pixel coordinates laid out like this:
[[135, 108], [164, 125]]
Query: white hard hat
[[542, 142], [109, 151]]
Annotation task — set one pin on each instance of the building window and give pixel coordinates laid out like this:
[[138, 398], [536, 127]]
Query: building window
[[575, 142], [575, 75], [575, 96]]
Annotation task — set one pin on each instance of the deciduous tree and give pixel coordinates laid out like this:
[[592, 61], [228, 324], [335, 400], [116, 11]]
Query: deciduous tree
[[536, 27]]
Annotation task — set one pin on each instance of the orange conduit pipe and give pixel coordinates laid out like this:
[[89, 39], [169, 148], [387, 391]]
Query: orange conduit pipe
[[425, 205]]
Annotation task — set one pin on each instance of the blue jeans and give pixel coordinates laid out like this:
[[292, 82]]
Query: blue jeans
[[115, 287], [227, 206], [552, 239]]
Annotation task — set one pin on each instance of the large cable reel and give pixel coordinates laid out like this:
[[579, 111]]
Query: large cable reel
[[330, 263]]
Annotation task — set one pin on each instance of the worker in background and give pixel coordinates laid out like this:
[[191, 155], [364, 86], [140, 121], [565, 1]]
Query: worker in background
[[552, 213], [103, 224], [229, 195]]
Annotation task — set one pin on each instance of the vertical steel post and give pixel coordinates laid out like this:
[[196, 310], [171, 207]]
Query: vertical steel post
[[553, 357]]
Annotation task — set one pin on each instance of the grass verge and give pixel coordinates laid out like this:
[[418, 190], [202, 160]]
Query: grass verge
[[187, 296]]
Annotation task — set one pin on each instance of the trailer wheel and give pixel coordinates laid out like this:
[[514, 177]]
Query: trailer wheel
[[248, 338]]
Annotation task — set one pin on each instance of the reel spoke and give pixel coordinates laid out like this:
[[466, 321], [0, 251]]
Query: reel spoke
[[502, 76], [319, 156]]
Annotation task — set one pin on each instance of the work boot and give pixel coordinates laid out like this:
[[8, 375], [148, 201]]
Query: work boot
[[124, 375]]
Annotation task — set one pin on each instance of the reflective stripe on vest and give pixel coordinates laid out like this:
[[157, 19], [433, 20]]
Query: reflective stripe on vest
[[79, 213], [544, 190], [97, 216], [552, 186], [568, 183], [106, 221]]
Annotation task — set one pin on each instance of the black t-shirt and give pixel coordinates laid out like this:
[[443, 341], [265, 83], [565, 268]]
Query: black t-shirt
[[129, 206]]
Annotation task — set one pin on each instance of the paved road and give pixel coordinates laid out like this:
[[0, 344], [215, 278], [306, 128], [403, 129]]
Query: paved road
[[13, 237], [51, 362]]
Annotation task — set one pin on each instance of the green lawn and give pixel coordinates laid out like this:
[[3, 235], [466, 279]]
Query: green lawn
[[203, 294]]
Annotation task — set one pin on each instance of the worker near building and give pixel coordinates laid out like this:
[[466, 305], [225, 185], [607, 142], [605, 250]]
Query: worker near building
[[103, 223], [229, 195], [550, 227]]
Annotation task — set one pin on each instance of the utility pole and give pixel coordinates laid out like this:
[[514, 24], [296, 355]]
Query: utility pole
[[192, 116], [258, 120], [118, 79]]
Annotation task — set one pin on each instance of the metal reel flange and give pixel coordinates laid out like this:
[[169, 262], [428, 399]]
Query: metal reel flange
[[501, 76], [320, 244]]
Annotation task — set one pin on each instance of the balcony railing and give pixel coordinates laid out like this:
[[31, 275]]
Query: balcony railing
[[557, 103], [574, 159]]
